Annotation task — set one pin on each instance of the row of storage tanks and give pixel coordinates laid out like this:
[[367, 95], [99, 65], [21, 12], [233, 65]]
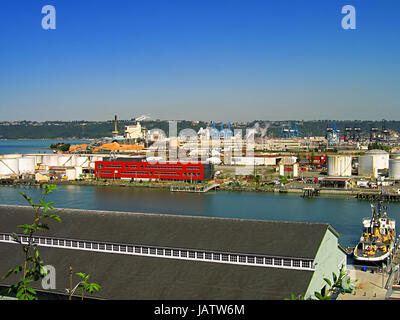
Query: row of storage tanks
[[368, 164], [16, 164]]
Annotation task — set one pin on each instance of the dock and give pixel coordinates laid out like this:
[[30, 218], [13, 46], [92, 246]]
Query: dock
[[369, 196], [310, 192], [195, 189], [14, 182]]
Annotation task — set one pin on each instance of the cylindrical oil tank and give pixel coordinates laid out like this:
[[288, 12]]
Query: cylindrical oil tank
[[365, 166], [395, 155], [50, 160], [64, 161], [339, 165], [26, 164], [373, 161], [81, 161], [394, 169], [9, 166], [38, 158], [11, 156]]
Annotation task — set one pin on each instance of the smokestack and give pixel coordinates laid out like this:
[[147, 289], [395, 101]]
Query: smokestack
[[115, 132]]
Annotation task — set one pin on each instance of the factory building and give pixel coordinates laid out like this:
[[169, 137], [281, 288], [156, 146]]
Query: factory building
[[133, 168], [172, 257], [134, 132], [283, 144]]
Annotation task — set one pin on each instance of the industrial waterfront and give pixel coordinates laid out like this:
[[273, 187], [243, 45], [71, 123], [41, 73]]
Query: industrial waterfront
[[310, 192]]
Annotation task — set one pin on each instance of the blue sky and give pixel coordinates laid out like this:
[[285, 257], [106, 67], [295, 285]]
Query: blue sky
[[199, 59]]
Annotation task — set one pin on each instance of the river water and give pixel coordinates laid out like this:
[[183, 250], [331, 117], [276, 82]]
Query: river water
[[31, 146], [344, 214]]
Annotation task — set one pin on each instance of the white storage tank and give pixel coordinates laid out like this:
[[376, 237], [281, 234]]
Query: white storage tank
[[50, 160], [38, 158], [81, 161], [11, 156], [26, 164], [9, 166], [395, 154], [339, 165], [64, 161], [394, 169], [372, 161]]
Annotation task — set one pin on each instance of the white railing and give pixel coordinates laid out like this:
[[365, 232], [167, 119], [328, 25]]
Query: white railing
[[167, 252]]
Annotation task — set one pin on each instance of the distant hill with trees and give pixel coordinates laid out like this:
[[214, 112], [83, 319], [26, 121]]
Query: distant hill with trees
[[98, 129]]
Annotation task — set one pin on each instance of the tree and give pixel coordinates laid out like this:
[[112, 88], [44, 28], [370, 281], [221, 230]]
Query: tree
[[32, 268], [84, 285]]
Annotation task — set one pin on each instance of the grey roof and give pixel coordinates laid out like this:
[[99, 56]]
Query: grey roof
[[275, 238], [143, 278]]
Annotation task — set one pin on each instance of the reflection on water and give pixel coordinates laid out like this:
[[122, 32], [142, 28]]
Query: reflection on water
[[150, 201], [342, 213]]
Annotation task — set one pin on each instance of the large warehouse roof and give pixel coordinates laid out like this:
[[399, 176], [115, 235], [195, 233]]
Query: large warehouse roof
[[290, 239], [124, 276]]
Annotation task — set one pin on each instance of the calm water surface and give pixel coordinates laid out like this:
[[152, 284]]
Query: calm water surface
[[31, 146], [342, 213]]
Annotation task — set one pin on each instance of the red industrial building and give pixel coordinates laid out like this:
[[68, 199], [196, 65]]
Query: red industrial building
[[318, 160], [134, 169]]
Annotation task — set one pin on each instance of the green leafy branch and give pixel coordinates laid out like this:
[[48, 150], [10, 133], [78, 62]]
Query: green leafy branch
[[33, 267], [340, 283], [84, 285]]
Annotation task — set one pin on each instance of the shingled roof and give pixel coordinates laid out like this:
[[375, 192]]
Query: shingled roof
[[144, 277], [276, 238]]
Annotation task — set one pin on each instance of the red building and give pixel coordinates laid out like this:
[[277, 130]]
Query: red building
[[317, 159], [133, 169]]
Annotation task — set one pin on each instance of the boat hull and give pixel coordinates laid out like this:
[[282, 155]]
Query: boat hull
[[373, 259]]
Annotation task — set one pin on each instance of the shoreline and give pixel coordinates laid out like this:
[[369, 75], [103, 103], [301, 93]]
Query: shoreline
[[49, 139], [323, 193]]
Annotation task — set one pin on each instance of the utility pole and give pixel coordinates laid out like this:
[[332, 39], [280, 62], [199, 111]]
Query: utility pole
[[70, 283], [383, 274]]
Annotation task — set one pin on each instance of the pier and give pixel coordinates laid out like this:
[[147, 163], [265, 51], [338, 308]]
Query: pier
[[195, 189], [378, 197], [13, 182], [310, 192]]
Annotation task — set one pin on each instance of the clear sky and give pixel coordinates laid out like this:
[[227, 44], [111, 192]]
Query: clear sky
[[199, 59]]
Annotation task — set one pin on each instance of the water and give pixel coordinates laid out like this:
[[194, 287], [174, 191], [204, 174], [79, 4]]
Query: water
[[31, 146], [342, 213]]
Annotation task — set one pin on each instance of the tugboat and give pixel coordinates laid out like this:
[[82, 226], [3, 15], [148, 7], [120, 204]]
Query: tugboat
[[378, 238]]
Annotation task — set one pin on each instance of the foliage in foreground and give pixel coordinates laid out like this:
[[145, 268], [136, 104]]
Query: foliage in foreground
[[339, 284], [33, 268]]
